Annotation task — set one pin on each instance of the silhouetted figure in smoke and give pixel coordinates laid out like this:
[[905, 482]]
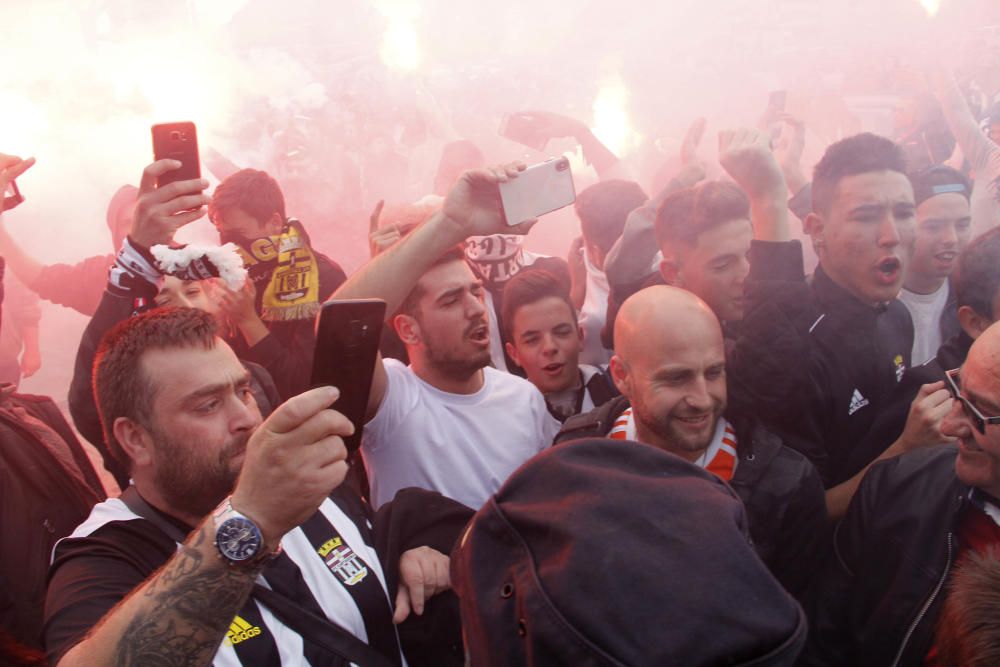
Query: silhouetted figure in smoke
[[78, 286]]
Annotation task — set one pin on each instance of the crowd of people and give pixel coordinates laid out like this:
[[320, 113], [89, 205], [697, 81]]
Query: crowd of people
[[751, 419]]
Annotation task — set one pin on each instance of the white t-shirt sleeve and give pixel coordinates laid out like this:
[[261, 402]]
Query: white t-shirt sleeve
[[401, 397]]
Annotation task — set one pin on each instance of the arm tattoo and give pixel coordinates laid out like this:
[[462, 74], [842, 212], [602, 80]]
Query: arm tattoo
[[187, 608]]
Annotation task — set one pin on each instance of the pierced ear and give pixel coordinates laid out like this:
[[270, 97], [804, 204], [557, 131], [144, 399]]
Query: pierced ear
[[670, 271], [135, 440], [408, 329], [619, 375], [972, 322]]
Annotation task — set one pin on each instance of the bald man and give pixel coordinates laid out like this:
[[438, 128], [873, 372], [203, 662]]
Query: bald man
[[670, 367], [913, 519]]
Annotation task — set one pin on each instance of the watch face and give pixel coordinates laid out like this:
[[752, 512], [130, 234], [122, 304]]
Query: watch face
[[238, 539]]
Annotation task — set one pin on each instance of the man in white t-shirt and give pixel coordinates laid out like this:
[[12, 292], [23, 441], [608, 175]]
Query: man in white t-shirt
[[448, 422], [943, 228]]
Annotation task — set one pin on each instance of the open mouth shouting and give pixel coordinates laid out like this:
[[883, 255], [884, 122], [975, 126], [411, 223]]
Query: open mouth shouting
[[889, 270], [479, 334]]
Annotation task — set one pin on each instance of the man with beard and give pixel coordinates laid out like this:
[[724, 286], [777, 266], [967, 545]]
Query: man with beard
[[166, 573], [447, 422], [670, 367], [275, 313]]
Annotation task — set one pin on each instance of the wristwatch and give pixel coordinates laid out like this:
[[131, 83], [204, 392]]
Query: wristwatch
[[238, 538]]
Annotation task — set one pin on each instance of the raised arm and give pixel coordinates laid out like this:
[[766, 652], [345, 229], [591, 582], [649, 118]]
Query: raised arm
[[180, 615], [976, 146], [746, 155], [471, 208]]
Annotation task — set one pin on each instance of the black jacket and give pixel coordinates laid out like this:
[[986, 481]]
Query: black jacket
[[781, 490], [40, 503], [287, 350], [892, 420], [878, 601], [115, 307], [814, 363]]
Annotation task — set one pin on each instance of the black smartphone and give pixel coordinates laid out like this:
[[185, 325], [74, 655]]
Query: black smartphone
[[12, 197], [177, 141], [347, 340]]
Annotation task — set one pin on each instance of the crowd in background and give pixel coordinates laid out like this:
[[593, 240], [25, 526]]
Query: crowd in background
[[749, 413]]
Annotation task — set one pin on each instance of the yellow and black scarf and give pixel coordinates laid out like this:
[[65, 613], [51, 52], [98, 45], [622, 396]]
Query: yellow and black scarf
[[288, 266]]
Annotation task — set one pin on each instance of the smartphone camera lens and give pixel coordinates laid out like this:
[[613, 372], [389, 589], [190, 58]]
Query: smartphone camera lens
[[175, 135]]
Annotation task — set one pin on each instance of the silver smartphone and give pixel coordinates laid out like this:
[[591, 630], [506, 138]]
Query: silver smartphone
[[539, 189]]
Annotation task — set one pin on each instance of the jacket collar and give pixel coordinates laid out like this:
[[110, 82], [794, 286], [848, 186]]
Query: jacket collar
[[833, 297]]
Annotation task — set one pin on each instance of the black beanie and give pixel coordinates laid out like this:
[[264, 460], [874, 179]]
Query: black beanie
[[597, 553]]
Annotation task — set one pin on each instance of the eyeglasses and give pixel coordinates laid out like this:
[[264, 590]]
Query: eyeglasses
[[979, 420]]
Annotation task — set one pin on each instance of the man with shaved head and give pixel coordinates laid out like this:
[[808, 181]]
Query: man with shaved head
[[913, 520], [670, 367]]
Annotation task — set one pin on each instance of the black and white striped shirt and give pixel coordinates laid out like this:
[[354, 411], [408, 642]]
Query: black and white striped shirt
[[329, 566]]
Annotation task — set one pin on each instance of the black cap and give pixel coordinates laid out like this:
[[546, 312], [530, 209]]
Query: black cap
[[936, 180], [603, 552]]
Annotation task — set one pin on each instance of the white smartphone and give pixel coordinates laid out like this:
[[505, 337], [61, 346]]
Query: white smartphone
[[539, 189]]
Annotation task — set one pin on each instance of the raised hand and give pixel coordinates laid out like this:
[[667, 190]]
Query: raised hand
[[692, 139], [746, 155], [294, 460], [160, 212], [12, 166], [473, 203]]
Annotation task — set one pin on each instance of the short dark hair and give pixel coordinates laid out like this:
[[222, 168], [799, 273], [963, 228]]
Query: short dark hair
[[603, 209], [528, 287], [688, 213], [121, 387], [977, 277], [859, 154], [968, 631], [410, 303], [252, 191]]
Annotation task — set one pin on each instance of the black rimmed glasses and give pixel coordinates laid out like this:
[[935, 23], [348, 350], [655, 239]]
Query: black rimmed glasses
[[978, 419]]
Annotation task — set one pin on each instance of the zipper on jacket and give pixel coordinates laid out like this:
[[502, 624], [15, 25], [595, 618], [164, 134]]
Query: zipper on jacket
[[926, 607]]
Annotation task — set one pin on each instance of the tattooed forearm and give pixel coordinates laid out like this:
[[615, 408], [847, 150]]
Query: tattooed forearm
[[178, 617]]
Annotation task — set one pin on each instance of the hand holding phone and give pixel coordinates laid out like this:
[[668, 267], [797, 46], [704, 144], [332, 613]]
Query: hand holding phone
[[539, 189], [177, 141], [347, 340]]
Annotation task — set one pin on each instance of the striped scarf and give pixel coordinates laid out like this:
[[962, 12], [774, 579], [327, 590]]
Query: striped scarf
[[719, 459]]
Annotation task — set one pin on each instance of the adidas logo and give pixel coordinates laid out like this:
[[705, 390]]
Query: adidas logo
[[240, 630], [857, 402]]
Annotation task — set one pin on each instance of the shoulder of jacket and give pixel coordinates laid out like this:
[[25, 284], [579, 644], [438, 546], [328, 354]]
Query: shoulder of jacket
[[595, 423]]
